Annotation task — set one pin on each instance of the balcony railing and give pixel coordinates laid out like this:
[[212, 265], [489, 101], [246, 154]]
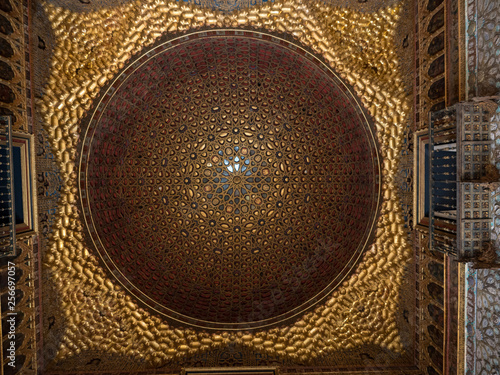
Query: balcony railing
[[7, 209], [459, 167]]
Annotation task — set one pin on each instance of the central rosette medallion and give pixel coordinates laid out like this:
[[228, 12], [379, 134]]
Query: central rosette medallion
[[229, 182]]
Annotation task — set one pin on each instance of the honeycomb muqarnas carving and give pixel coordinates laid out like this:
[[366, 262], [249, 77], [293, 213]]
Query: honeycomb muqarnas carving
[[98, 314]]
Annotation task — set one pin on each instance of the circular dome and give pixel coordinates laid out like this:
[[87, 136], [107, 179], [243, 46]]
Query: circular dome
[[229, 182]]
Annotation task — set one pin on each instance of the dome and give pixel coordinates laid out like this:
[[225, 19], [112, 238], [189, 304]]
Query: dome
[[229, 182]]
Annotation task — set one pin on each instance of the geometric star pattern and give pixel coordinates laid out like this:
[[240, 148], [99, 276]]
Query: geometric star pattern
[[219, 168]]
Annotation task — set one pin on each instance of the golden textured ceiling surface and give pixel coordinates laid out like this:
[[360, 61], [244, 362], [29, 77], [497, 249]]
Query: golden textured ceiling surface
[[98, 314]]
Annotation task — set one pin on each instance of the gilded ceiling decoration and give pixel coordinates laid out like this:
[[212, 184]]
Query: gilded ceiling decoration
[[219, 5], [95, 312], [221, 166]]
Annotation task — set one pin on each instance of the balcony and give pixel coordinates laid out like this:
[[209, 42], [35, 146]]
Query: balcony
[[460, 177]]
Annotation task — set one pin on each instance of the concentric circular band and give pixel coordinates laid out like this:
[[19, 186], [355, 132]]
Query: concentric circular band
[[229, 179]]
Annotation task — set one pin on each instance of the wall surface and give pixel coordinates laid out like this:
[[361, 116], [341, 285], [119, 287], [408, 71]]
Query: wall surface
[[482, 30]]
